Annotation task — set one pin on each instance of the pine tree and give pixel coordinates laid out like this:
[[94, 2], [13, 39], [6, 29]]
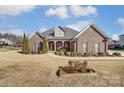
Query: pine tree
[[23, 43], [45, 48], [27, 50], [25, 46]]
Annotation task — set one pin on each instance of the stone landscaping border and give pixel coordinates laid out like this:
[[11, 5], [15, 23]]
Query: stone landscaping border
[[79, 74]]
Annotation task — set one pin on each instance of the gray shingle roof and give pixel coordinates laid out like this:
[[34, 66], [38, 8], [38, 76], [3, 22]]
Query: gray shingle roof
[[93, 25], [121, 35], [68, 33]]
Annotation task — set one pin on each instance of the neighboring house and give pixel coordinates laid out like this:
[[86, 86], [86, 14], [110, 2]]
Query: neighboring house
[[4, 41], [121, 40], [90, 40], [113, 44]]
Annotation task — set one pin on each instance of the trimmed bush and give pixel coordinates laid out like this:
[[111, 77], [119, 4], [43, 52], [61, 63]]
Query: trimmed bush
[[73, 54], [40, 52], [116, 54], [107, 54], [57, 52], [61, 53], [86, 54], [101, 54], [78, 54], [67, 53], [34, 52]]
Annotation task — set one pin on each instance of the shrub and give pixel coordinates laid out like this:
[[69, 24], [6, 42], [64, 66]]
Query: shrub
[[61, 53], [73, 54], [78, 54], [25, 46], [45, 48], [34, 52], [116, 54], [40, 52], [67, 53], [107, 54], [57, 52], [86, 54], [101, 54]]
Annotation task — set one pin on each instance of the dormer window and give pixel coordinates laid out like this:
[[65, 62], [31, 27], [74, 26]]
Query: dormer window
[[58, 32], [91, 29]]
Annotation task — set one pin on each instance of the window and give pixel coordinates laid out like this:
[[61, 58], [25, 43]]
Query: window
[[85, 47], [97, 47], [35, 46], [91, 29], [58, 32]]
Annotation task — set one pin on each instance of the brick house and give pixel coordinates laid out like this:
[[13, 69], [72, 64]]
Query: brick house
[[89, 40]]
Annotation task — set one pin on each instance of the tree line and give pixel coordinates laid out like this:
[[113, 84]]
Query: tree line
[[17, 40]]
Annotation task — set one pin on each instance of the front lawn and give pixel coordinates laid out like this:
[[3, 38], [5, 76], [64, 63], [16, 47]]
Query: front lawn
[[40, 70], [4, 49]]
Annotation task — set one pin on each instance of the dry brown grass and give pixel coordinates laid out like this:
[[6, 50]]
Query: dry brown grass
[[40, 70]]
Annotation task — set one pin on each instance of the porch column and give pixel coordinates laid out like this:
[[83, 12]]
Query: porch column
[[70, 45], [54, 45], [63, 44], [75, 47], [105, 48]]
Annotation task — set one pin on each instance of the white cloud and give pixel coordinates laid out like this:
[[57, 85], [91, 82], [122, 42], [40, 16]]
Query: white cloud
[[60, 11], [79, 25], [15, 31], [14, 10], [42, 29], [115, 37], [11, 29], [83, 11], [121, 21]]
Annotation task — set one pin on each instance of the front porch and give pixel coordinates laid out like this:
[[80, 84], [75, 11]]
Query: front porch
[[62, 45]]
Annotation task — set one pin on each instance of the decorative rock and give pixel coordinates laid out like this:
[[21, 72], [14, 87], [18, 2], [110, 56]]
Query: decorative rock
[[75, 67]]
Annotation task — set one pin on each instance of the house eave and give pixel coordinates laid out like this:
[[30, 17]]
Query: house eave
[[96, 28]]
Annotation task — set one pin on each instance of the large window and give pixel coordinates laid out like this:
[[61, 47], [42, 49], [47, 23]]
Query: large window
[[97, 47], [35, 46], [85, 47]]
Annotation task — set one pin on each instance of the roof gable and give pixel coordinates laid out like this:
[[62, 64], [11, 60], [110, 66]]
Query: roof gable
[[68, 33], [58, 32], [98, 30]]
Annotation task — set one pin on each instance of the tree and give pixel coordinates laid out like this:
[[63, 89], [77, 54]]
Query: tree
[[45, 48], [25, 45], [27, 50]]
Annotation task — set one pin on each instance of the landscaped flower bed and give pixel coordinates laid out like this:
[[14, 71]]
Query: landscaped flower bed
[[75, 67], [99, 54], [116, 54]]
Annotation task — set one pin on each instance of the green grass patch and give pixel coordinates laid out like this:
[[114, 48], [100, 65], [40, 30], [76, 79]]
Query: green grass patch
[[5, 49]]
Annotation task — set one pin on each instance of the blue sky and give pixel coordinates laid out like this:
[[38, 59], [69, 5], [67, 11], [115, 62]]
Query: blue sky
[[29, 19]]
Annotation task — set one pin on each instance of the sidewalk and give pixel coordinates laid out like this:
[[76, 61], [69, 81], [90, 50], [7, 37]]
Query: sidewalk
[[86, 58]]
